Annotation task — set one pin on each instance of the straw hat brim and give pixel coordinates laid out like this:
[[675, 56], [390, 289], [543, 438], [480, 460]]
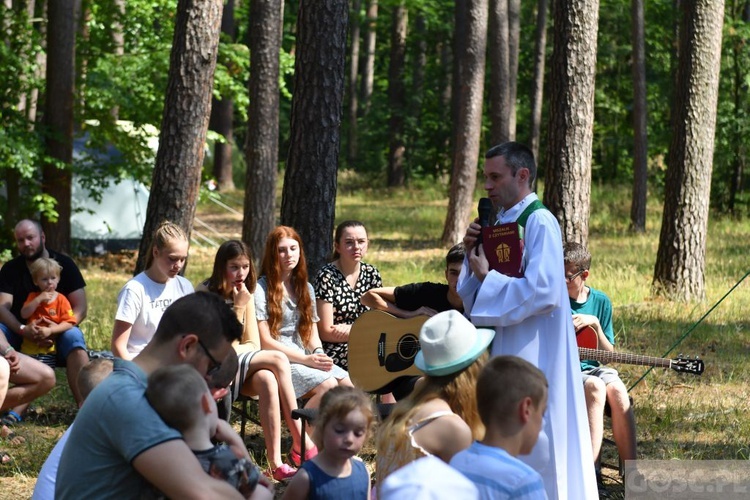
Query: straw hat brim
[[483, 339]]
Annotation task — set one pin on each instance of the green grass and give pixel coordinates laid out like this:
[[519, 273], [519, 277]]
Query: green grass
[[678, 416]]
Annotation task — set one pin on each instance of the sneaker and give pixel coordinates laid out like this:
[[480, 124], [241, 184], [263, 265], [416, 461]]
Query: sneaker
[[283, 472]]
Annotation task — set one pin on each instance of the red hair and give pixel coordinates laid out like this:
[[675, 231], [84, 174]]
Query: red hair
[[275, 295]]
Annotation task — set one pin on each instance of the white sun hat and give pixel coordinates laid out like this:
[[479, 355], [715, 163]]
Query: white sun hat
[[449, 343]]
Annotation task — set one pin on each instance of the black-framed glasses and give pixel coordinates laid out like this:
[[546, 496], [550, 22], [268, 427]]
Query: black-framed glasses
[[570, 278], [216, 365]]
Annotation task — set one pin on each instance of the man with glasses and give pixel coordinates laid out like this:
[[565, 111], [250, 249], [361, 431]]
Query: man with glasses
[[119, 447], [601, 384], [531, 318]]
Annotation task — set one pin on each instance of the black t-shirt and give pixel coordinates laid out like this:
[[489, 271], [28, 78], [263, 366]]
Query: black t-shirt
[[426, 294], [15, 279]]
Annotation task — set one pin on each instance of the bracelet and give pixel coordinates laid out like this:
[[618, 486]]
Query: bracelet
[[318, 350], [7, 350]]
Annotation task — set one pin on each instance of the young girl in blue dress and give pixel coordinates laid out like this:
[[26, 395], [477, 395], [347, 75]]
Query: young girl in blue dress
[[341, 427]]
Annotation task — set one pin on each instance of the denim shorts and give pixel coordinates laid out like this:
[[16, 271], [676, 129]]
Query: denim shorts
[[66, 342]]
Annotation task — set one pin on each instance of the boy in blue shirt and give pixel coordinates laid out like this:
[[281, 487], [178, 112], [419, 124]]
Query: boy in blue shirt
[[511, 400]]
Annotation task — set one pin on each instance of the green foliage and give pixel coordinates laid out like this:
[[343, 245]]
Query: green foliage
[[427, 118], [732, 123]]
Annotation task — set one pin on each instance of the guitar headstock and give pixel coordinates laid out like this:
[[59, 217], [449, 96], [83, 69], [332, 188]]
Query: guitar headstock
[[687, 365]]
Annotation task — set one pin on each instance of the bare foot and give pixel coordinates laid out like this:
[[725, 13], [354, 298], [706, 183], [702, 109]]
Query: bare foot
[[11, 437]]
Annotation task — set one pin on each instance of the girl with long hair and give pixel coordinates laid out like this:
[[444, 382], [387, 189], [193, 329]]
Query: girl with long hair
[[264, 374], [285, 308], [146, 296]]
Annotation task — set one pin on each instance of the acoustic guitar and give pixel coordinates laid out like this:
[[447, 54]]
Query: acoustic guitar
[[588, 342], [382, 348]]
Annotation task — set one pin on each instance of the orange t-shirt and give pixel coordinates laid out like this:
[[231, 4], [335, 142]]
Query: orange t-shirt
[[59, 311]]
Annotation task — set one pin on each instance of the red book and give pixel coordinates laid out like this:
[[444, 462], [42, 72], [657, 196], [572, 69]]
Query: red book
[[503, 247]]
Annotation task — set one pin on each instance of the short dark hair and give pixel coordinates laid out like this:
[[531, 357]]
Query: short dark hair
[[202, 313], [517, 156], [175, 393], [455, 254], [576, 254], [502, 384]]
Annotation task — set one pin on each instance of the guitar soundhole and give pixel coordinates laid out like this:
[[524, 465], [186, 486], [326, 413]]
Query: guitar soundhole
[[406, 349], [408, 346]]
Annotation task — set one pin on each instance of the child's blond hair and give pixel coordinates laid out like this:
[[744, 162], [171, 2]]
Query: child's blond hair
[[338, 402], [44, 266]]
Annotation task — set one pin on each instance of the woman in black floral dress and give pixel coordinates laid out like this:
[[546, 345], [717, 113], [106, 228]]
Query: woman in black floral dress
[[339, 286]]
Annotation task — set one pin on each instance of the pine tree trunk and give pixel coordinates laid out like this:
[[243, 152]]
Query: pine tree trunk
[[680, 260], [309, 195], [58, 117], [262, 146], [537, 88], [187, 107], [469, 94], [497, 35], [222, 117], [640, 131], [368, 72], [514, 41], [567, 191], [354, 34], [397, 97]]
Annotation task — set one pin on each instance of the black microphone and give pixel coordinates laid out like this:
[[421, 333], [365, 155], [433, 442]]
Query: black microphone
[[485, 209]]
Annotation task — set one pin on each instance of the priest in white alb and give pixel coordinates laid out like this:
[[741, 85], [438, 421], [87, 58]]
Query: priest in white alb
[[532, 319]]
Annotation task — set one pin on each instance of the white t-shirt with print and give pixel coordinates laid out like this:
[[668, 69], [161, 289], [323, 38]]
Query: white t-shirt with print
[[142, 301]]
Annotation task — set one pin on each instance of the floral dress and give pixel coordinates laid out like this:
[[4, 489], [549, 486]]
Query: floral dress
[[331, 286]]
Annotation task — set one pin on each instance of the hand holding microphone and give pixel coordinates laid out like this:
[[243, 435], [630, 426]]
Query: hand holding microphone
[[485, 210]]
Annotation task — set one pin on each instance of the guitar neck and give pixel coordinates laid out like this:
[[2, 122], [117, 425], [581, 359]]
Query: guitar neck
[[619, 357]]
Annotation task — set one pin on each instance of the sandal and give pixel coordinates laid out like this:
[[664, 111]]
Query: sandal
[[309, 454], [10, 418], [11, 437]]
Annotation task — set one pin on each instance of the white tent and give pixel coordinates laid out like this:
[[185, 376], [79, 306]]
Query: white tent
[[112, 222], [115, 222]]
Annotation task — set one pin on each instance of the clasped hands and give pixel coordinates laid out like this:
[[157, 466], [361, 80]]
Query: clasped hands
[[40, 331]]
